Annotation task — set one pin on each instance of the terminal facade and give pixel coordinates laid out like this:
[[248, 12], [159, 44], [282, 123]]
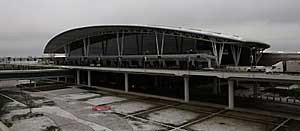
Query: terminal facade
[[154, 47]]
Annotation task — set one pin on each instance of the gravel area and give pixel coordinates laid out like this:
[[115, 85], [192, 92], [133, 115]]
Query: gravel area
[[73, 112]]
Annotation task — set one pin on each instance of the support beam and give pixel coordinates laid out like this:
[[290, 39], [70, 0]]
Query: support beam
[[157, 45], [89, 78], [118, 45], [186, 89], [258, 56], [236, 54], [217, 52], [78, 77], [122, 44], [230, 94], [220, 53], [162, 44], [126, 82]]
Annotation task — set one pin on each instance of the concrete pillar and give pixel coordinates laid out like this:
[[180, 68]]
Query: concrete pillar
[[209, 63], [255, 90], [35, 83], [215, 86], [126, 82], [186, 89], [66, 79], [30, 81], [78, 77], [57, 78], [230, 94], [89, 78], [155, 81]]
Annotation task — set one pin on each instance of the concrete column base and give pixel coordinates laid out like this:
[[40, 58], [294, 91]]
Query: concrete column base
[[230, 94], [186, 89], [126, 82]]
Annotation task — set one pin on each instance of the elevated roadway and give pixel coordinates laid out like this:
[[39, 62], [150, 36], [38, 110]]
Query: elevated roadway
[[248, 76], [230, 76], [33, 74]]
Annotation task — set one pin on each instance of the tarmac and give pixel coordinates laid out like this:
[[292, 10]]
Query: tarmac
[[73, 112]]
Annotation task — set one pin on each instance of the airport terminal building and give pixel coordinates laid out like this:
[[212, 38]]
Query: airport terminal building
[[152, 47], [156, 60]]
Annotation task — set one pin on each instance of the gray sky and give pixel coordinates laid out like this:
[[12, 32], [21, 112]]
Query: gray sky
[[27, 25]]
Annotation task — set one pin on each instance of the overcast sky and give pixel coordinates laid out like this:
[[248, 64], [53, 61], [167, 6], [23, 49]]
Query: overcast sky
[[27, 25]]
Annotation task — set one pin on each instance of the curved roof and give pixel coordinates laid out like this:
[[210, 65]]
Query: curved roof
[[55, 44]]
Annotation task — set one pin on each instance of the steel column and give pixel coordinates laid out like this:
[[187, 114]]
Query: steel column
[[118, 45], [218, 53], [221, 53], [230, 94], [215, 52], [258, 56], [157, 46], [162, 44], [122, 45], [236, 54], [233, 54]]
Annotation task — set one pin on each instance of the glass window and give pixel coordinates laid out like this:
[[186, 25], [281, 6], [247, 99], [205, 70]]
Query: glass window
[[204, 47], [95, 49], [188, 45], [131, 44], [149, 44], [171, 45], [76, 48], [112, 47]]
